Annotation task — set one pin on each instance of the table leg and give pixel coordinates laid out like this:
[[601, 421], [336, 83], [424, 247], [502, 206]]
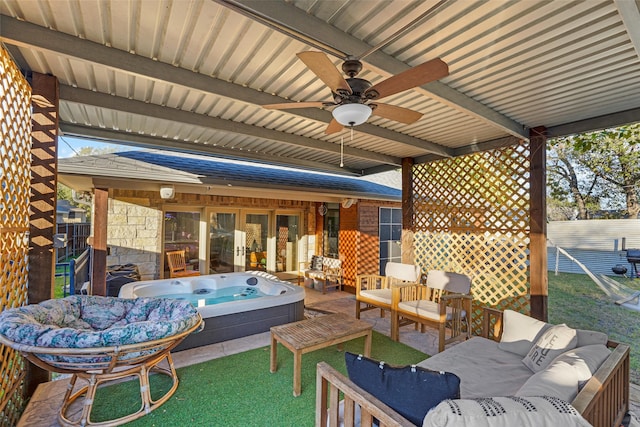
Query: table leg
[[367, 344], [274, 354], [297, 372]]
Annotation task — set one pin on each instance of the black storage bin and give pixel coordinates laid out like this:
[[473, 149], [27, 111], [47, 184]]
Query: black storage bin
[[120, 275]]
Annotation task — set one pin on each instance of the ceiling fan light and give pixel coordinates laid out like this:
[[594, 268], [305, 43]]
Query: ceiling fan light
[[351, 114]]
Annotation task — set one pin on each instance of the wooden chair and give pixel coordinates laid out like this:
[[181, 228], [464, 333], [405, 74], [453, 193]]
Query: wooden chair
[[178, 265], [374, 291], [445, 302]]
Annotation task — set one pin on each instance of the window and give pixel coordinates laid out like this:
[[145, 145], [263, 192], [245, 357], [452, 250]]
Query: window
[[390, 234]]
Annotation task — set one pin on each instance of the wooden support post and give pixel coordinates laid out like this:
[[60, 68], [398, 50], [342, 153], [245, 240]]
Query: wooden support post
[[408, 227], [538, 238], [42, 219], [99, 242]]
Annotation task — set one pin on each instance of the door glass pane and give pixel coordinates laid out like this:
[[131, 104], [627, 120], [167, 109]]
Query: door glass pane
[[181, 233], [256, 231], [287, 242], [331, 230], [222, 227], [390, 234]]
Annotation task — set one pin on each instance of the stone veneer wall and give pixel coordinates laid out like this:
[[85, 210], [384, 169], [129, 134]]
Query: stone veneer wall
[[134, 235]]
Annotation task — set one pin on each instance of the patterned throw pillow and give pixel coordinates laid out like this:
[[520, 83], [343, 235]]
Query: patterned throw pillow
[[543, 411], [409, 390], [316, 262], [551, 344]]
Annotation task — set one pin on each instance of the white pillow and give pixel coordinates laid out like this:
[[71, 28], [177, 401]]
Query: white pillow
[[541, 411], [585, 360], [559, 379], [519, 332], [552, 343]]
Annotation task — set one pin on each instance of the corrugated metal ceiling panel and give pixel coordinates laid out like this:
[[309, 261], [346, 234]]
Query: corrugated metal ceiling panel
[[533, 62]]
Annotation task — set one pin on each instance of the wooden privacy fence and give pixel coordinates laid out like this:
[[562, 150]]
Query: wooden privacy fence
[[472, 216], [15, 179]]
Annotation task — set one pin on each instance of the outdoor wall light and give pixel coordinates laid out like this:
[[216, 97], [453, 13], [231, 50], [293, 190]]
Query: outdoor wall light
[[351, 114], [167, 191]]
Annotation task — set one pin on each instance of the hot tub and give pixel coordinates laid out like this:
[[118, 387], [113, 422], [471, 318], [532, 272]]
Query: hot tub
[[233, 305]]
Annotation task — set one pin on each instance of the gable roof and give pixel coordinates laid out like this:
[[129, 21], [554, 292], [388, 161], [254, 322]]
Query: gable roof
[[205, 174]]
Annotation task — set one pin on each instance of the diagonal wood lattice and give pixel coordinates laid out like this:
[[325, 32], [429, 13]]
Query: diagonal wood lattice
[[472, 216], [15, 172]]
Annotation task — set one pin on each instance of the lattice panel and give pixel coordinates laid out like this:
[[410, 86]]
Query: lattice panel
[[368, 240], [348, 245], [471, 215], [15, 172]]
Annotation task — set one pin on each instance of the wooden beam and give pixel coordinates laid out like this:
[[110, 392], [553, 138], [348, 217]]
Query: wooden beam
[[99, 242], [42, 218], [538, 214]]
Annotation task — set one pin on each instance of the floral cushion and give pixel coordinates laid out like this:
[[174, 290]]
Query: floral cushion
[[82, 321]]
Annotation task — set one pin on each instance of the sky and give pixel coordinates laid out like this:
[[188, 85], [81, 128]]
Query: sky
[[68, 146]]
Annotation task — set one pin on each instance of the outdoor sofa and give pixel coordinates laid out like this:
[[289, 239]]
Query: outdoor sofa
[[582, 368]]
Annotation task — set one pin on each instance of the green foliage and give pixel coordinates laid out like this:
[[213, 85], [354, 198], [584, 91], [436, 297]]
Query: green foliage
[[595, 167]]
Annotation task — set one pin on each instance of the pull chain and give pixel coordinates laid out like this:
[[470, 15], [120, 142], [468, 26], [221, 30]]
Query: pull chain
[[341, 150]]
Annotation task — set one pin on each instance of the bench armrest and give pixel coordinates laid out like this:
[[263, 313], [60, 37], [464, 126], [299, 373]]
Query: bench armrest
[[491, 323]]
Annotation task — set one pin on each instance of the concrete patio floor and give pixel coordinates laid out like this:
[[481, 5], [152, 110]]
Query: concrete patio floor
[[44, 405]]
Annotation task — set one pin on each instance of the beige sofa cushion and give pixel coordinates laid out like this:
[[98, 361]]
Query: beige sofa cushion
[[482, 368]]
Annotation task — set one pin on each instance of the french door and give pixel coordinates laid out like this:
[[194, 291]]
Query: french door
[[242, 239]]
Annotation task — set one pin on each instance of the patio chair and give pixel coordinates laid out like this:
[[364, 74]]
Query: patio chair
[[374, 291], [444, 303], [178, 265], [102, 340]]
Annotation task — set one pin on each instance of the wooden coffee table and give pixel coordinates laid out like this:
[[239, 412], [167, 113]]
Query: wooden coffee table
[[313, 334]]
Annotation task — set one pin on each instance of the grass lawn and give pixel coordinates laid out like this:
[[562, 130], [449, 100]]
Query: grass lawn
[[576, 300]]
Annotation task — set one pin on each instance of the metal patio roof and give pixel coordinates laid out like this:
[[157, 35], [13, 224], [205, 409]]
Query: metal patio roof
[[191, 75]]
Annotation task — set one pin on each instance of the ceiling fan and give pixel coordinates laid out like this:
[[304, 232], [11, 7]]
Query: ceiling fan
[[355, 99]]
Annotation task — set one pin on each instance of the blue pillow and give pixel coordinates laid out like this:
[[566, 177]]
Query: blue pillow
[[409, 390]]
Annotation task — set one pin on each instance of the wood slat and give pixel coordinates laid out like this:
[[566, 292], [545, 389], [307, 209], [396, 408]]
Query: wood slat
[[15, 174]]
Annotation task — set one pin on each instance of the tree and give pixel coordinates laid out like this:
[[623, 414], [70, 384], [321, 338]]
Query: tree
[[572, 192], [595, 167]]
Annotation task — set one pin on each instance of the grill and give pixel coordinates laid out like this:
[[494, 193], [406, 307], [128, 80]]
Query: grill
[[633, 258]]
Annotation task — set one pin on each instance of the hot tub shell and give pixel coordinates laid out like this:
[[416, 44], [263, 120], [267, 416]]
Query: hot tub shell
[[283, 303]]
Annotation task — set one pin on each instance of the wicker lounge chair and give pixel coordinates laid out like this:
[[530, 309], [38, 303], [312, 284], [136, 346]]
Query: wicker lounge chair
[[101, 339]]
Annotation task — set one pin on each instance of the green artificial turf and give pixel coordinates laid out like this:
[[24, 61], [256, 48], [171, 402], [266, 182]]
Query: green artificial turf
[[239, 390]]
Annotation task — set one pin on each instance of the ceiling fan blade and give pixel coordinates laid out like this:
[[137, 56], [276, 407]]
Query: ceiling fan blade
[[322, 66], [333, 127], [413, 77], [291, 105], [399, 114]]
